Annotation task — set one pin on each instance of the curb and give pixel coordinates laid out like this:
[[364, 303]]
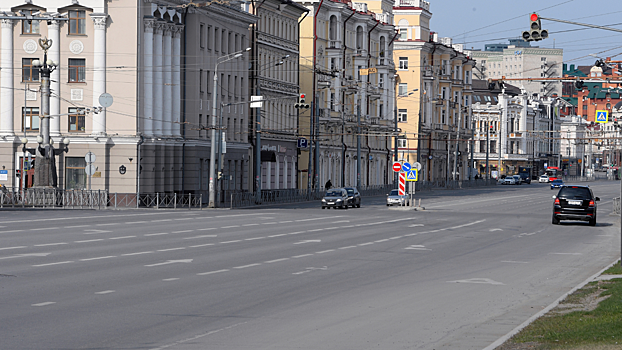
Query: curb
[[516, 330]]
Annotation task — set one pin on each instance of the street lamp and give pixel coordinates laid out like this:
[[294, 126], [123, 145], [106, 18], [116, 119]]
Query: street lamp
[[212, 161], [45, 171]]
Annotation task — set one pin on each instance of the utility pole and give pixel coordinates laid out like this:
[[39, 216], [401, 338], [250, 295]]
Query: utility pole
[[472, 146], [358, 146], [457, 142], [396, 174], [487, 146], [45, 171]]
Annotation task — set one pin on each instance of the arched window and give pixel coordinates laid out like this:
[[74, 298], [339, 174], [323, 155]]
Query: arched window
[[332, 30], [403, 28], [359, 38], [383, 43]]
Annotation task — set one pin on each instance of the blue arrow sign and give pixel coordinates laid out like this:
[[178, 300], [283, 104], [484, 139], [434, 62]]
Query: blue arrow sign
[[412, 175], [406, 167], [601, 116]]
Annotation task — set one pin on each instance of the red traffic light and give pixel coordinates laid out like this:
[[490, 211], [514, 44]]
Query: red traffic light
[[534, 17], [302, 95]]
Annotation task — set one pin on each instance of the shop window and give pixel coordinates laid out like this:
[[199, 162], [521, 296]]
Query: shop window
[[75, 176]]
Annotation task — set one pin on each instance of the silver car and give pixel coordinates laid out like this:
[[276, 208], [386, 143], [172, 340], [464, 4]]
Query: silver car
[[394, 198]]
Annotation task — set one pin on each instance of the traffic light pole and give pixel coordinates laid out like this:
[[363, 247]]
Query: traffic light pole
[[582, 24]]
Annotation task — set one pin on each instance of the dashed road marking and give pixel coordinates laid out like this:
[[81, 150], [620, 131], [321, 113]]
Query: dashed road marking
[[201, 245], [124, 237], [7, 248], [170, 279], [45, 303], [56, 263], [49, 244], [137, 253], [170, 249], [89, 240], [184, 231], [276, 260], [301, 256], [105, 292], [212, 272], [156, 234], [245, 266], [203, 236], [99, 258], [231, 241]]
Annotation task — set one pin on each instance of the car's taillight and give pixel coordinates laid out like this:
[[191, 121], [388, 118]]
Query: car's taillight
[[556, 201], [592, 203]]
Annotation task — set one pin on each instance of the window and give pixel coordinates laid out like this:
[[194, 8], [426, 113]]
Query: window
[[75, 176], [76, 120], [443, 116], [201, 90], [467, 77], [403, 33], [402, 143], [482, 146], [30, 27], [403, 89], [77, 70], [30, 119], [402, 115], [29, 72], [202, 36], [403, 63], [223, 41], [493, 147], [77, 22], [216, 39]]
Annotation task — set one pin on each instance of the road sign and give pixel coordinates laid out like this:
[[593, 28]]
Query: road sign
[[4, 175], [303, 143], [406, 166], [90, 169], [412, 175], [90, 157], [417, 165], [602, 116], [402, 184], [105, 100], [397, 166]]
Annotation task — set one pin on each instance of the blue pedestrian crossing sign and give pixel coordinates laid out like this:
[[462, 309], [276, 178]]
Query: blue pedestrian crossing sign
[[602, 116], [406, 167], [412, 175]]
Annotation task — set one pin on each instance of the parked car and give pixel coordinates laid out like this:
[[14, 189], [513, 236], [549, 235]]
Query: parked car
[[543, 178], [575, 203], [393, 198], [354, 197], [557, 183], [517, 180], [336, 198], [508, 180]]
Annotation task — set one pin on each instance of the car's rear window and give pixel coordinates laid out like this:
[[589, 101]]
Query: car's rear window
[[575, 192]]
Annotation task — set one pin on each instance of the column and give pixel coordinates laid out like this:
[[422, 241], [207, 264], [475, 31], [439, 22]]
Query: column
[[277, 173], [285, 164], [99, 70], [176, 126], [167, 68], [54, 55], [6, 78], [158, 93], [147, 130]]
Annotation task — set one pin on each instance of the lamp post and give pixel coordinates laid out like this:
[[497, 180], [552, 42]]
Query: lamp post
[[212, 160], [45, 171]]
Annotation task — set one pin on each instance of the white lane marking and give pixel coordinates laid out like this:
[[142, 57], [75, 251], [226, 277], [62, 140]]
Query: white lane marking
[[44, 304], [339, 222], [161, 220], [180, 342], [184, 231], [301, 256], [110, 224], [180, 219], [417, 247], [124, 237], [348, 247], [136, 222], [316, 230], [170, 279], [105, 292], [495, 229], [604, 235], [95, 217], [565, 253], [381, 240], [231, 241], [282, 234], [325, 251], [348, 226], [49, 244], [245, 266], [269, 223], [212, 272], [514, 262], [254, 238], [99, 258], [396, 237], [89, 240], [77, 226], [93, 231], [284, 222], [295, 233], [416, 225], [168, 250], [251, 225], [301, 272], [201, 245], [11, 231], [24, 255], [207, 229], [478, 280], [168, 262], [321, 218], [138, 253], [7, 248], [276, 260], [44, 228], [363, 244], [231, 226], [56, 263], [309, 241], [203, 236], [155, 234], [413, 234]]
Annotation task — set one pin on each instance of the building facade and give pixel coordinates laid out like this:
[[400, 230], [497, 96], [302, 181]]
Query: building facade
[[347, 72], [157, 60]]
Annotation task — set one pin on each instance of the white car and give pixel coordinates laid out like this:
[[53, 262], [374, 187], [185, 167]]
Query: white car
[[509, 180], [543, 178]]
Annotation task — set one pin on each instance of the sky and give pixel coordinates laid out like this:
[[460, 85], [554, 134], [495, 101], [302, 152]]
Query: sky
[[478, 22]]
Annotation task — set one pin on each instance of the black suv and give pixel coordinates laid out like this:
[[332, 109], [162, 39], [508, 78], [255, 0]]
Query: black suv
[[575, 203]]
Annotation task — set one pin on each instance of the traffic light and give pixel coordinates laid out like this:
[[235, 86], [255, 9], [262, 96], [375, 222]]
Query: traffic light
[[301, 102], [18, 173], [535, 32]]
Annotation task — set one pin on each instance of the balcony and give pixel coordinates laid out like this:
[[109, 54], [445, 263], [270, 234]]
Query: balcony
[[334, 44], [374, 92], [414, 3]]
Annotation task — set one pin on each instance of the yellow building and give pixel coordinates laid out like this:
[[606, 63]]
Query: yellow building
[[348, 76], [433, 96]]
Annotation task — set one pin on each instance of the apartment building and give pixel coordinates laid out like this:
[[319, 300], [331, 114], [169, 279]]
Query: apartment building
[[433, 97], [157, 59], [347, 71]]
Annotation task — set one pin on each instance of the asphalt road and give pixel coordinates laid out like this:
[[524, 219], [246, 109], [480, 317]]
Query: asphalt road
[[458, 275]]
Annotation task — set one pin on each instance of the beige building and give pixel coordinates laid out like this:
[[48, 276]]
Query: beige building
[[157, 60], [433, 95], [347, 71]]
